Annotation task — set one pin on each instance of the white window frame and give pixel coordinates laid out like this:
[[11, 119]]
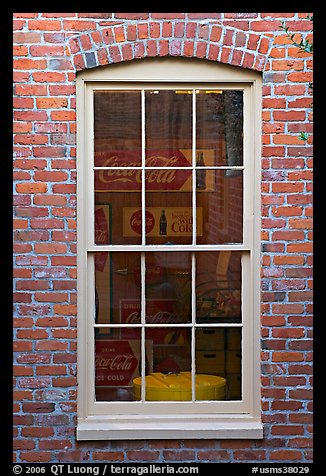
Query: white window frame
[[169, 420]]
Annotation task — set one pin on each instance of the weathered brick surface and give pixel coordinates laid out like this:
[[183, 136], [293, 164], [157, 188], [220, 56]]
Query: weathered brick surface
[[49, 48]]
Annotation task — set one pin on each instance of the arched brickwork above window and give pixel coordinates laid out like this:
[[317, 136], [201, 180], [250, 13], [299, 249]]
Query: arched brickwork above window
[[212, 41]]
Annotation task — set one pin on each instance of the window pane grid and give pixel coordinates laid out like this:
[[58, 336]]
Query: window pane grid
[[193, 326]]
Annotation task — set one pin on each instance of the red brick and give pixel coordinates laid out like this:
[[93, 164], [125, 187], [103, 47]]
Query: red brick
[[54, 444], [142, 455], [20, 76], [245, 455], [36, 457], [85, 42], [38, 407], [51, 176], [21, 127], [26, 37], [127, 53], [65, 310], [37, 432], [45, 50], [22, 370], [54, 37], [51, 103], [30, 115], [47, 223], [31, 187], [20, 50], [106, 455], [23, 444], [44, 25], [31, 284], [31, 139], [225, 54], [63, 115], [301, 394], [79, 25], [51, 370], [51, 297], [286, 455], [26, 64], [299, 248], [51, 322], [287, 430], [50, 345], [287, 357], [64, 381], [49, 77]]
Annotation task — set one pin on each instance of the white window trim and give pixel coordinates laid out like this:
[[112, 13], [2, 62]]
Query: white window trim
[[150, 420]]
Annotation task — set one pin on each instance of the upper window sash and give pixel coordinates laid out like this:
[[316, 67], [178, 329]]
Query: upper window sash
[[247, 167]]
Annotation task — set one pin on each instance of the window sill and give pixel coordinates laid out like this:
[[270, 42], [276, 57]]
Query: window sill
[[165, 427]]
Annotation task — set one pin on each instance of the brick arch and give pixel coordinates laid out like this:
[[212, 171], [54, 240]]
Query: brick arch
[[212, 41]]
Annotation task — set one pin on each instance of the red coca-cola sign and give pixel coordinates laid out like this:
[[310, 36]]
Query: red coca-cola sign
[[127, 179], [136, 221], [158, 311], [115, 363], [101, 237]]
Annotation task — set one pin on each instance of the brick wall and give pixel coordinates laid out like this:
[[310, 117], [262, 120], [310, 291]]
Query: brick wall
[[48, 50]]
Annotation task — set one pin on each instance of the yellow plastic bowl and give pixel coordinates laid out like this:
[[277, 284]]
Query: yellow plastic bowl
[[177, 387]]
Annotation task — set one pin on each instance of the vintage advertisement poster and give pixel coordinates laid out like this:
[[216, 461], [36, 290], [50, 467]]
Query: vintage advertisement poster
[[175, 177], [102, 267], [158, 311], [168, 221], [118, 362]]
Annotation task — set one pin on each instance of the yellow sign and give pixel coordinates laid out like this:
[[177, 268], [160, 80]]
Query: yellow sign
[[169, 221]]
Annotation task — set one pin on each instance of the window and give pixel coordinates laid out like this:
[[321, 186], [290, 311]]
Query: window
[[168, 251]]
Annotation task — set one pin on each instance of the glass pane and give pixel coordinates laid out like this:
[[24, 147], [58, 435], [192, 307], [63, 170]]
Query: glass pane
[[117, 287], [220, 199], [115, 204], [218, 286], [218, 363], [117, 128], [168, 119], [117, 364], [219, 127], [171, 357], [168, 287], [169, 206]]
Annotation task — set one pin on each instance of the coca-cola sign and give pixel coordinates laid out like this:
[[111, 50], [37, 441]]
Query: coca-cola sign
[[179, 221], [115, 362], [127, 179], [101, 234], [158, 311]]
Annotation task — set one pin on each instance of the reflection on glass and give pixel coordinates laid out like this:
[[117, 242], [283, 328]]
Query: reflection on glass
[[117, 287], [117, 128], [218, 357], [168, 128], [168, 287], [117, 364], [171, 361], [219, 126], [171, 348], [169, 206], [218, 286], [222, 203], [118, 202]]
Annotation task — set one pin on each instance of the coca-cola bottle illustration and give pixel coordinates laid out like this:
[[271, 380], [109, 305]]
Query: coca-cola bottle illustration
[[200, 173], [163, 223]]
